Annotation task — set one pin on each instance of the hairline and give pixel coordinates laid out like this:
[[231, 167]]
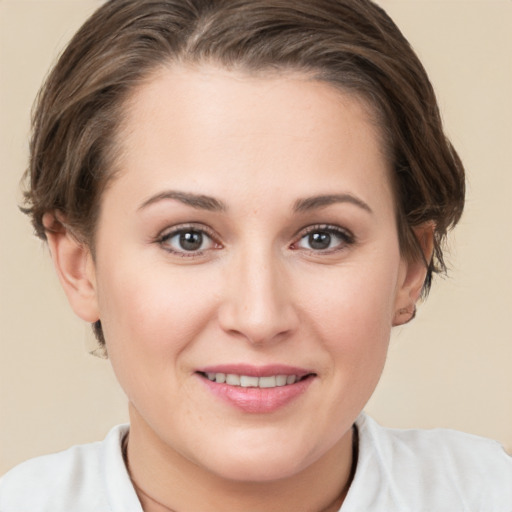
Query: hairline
[[114, 149]]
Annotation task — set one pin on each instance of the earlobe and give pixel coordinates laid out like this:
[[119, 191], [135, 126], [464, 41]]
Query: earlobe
[[413, 276], [74, 266]]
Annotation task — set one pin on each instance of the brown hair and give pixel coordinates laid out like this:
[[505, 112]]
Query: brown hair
[[351, 44]]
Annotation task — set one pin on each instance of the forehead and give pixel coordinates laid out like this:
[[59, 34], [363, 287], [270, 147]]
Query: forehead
[[199, 126], [210, 92]]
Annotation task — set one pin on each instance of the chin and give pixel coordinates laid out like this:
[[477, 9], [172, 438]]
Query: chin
[[272, 462], [254, 471]]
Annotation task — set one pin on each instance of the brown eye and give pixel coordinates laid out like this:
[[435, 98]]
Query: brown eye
[[191, 241], [327, 238], [319, 241], [187, 240]]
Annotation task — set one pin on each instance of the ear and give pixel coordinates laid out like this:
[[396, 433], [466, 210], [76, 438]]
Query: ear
[[74, 265], [412, 275]]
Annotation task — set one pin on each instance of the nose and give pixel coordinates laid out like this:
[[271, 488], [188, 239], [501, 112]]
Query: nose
[[257, 303]]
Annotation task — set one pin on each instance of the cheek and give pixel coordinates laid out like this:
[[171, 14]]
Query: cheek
[[150, 316], [359, 304], [352, 312], [358, 340]]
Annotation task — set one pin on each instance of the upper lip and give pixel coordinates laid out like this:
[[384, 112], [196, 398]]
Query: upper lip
[[256, 371]]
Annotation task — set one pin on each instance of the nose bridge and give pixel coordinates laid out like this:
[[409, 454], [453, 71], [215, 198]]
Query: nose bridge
[[258, 304]]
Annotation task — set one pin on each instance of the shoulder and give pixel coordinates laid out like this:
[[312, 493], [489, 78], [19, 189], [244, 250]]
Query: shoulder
[[439, 469], [78, 479], [435, 447]]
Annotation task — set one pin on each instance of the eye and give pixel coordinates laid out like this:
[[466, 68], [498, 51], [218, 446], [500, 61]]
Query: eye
[[324, 239], [187, 241]]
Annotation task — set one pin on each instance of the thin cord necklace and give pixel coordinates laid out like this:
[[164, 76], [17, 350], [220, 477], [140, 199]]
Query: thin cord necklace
[[138, 490], [156, 505], [160, 507]]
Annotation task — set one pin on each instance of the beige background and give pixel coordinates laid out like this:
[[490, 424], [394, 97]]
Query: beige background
[[452, 367]]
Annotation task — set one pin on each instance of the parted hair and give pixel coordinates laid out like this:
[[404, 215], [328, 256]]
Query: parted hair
[[351, 44]]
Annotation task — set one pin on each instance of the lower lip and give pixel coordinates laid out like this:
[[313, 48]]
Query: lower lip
[[258, 400]]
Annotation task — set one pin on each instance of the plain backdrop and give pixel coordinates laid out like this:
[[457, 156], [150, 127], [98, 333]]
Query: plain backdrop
[[451, 367]]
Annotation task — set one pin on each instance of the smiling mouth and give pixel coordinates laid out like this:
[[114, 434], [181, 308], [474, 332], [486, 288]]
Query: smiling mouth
[[257, 390], [250, 381]]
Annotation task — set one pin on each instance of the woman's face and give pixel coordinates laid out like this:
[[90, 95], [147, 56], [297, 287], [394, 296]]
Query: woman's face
[[249, 235]]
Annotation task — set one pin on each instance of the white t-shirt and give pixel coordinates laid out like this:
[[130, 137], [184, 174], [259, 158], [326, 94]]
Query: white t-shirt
[[397, 471]]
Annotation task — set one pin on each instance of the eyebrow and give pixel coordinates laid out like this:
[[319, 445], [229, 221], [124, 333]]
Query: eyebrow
[[198, 201], [312, 203], [203, 202]]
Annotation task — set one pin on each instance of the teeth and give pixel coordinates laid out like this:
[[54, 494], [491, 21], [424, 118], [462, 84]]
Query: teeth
[[281, 380], [233, 380], [267, 382], [291, 379], [219, 377], [247, 381]]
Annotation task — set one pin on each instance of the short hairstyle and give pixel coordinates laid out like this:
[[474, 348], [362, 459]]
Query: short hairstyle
[[351, 44]]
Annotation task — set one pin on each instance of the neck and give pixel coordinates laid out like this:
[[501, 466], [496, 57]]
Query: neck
[[166, 481]]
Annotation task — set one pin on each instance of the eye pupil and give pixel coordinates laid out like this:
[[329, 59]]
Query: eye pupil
[[319, 240], [191, 240]]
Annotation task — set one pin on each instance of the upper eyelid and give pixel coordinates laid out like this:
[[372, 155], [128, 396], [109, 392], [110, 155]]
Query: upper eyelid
[[346, 237], [323, 227], [166, 235], [191, 226]]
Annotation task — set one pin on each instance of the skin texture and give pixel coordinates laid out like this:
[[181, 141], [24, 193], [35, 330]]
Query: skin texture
[[257, 292]]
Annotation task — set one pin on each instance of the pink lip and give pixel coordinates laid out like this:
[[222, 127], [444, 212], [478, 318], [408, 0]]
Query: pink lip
[[257, 400]]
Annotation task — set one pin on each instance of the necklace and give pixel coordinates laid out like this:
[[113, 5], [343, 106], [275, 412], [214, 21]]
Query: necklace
[[157, 506]]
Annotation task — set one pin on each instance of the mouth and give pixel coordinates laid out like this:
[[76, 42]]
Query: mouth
[[256, 389]]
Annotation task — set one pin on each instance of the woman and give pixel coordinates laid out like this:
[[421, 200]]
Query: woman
[[244, 198]]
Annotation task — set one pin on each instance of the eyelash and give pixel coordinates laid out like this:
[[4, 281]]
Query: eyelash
[[345, 238], [164, 240]]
